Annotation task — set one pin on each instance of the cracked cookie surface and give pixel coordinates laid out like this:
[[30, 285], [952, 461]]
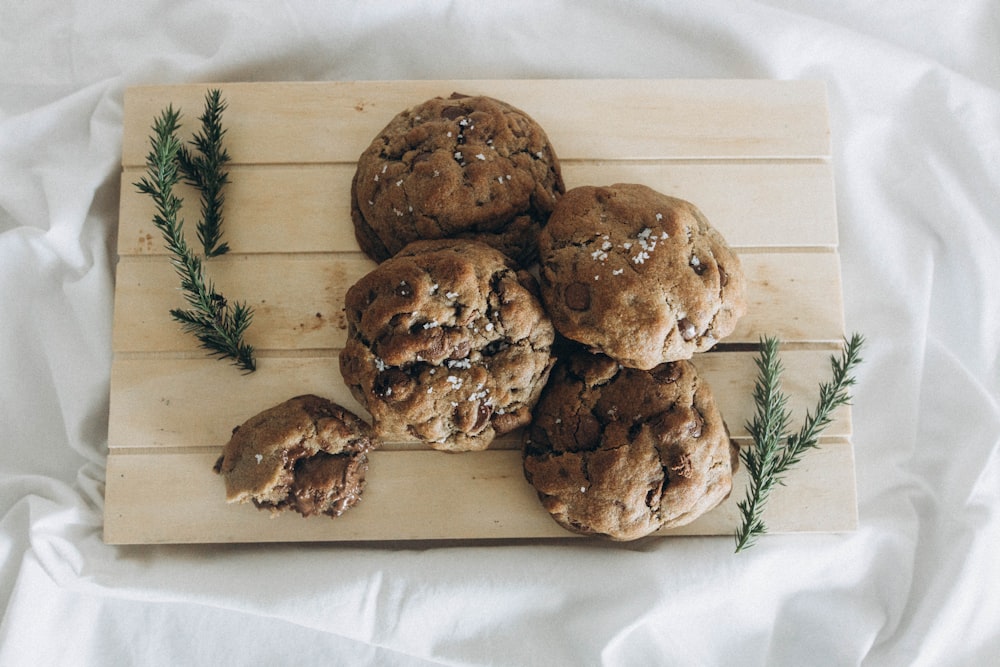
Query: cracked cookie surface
[[463, 166], [447, 343], [638, 275], [306, 454], [622, 452]]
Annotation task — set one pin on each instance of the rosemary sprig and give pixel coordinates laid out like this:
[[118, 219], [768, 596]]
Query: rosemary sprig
[[206, 171], [774, 451], [218, 325]]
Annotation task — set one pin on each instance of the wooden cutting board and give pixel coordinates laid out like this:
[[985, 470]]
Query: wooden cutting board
[[753, 155]]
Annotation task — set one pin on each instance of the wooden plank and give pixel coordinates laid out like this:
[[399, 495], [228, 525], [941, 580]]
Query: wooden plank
[[334, 122], [306, 208], [299, 299], [754, 155], [176, 498], [176, 403]]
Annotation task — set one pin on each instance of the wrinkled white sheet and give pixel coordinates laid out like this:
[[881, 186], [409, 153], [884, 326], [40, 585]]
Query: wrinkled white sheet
[[915, 105]]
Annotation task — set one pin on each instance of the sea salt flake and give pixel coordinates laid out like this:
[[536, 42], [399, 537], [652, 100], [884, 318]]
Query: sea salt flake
[[259, 458], [480, 156]]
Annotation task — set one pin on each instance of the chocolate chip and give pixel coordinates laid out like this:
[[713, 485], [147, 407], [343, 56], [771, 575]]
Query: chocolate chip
[[393, 384], [506, 422], [452, 112], [403, 289], [483, 414], [696, 426], [434, 343], [687, 329], [667, 373], [461, 350], [577, 296]]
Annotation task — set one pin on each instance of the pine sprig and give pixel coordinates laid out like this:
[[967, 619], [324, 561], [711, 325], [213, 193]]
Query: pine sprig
[[767, 429], [218, 325], [206, 171], [774, 451]]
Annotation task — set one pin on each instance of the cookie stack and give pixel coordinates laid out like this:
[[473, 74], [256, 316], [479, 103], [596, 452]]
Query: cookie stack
[[501, 300], [451, 340]]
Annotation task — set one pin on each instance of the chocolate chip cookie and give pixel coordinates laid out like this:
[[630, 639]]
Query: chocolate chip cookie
[[638, 275], [622, 452], [307, 454], [447, 343], [463, 166]]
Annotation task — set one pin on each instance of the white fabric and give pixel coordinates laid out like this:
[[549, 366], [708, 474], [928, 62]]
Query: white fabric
[[915, 106]]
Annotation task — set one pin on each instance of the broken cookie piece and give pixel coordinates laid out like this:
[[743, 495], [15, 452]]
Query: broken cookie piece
[[307, 454], [622, 452]]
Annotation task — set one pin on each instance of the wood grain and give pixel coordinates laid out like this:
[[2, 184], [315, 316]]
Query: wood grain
[[754, 156], [294, 123]]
